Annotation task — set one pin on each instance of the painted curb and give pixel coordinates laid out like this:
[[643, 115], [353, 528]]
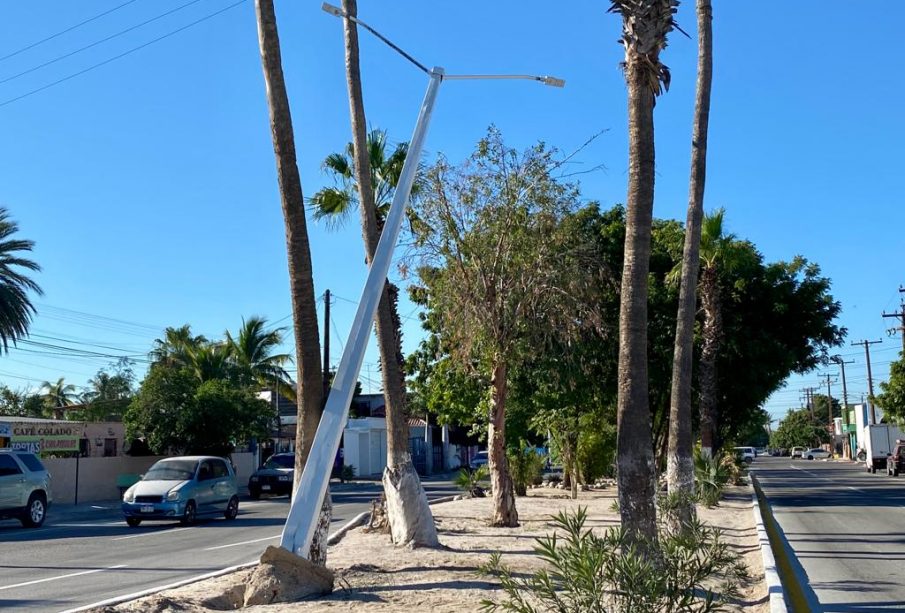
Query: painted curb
[[359, 520], [771, 573]]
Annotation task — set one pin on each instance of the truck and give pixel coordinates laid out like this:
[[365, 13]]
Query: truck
[[878, 442]]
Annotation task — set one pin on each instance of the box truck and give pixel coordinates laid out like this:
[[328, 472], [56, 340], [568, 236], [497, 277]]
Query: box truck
[[879, 440]]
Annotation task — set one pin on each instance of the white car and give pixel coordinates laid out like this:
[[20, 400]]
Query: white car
[[816, 454], [797, 452], [747, 454]]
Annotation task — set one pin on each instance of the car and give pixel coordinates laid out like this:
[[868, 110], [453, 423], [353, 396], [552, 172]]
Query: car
[[796, 452], [480, 459], [24, 488], [183, 488], [746, 454], [273, 477], [759, 451], [895, 461], [816, 454]]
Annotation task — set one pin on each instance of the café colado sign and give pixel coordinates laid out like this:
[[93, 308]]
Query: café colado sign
[[46, 438]]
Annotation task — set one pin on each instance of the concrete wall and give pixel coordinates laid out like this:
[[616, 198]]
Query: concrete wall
[[97, 476]]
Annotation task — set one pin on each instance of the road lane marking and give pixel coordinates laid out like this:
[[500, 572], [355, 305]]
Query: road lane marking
[[87, 525], [84, 572], [135, 536], [807, 472], [266, 538]]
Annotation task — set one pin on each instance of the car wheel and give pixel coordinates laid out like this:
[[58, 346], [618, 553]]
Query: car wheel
[[35, 511], [810, 457], [873, 469], [133, 522], [254, 494], [895, 472], [188, 516], [232, 508]]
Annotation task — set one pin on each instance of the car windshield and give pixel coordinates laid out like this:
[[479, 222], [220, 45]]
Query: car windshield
[[172, 470], [280, 461]]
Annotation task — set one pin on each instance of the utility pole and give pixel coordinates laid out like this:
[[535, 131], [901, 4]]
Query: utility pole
[[900, 315], [870, 378], [829, 402], [809, 399], [846, 440], [326, 344]]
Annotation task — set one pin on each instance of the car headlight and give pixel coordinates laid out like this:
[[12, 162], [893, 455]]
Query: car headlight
[[173, 495], [254, 479], [129, 496], [283, 478]]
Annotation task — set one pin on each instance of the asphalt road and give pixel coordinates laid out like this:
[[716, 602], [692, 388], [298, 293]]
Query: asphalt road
[[81, 557], [846, 527]]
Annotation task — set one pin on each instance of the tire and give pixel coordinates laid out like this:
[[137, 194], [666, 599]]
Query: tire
[[133, 522], [873, 469], [232, 508], [810, 457], [895, 472], [35, 511], [254, 494], [188, 516]]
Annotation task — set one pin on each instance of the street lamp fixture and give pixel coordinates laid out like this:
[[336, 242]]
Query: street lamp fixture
[[301, 522]]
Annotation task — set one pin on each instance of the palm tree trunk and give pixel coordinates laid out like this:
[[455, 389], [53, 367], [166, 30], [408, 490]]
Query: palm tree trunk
[[635, 457], [301, 281], [410, 518], [679, 461], [713, 325], [504, 512]]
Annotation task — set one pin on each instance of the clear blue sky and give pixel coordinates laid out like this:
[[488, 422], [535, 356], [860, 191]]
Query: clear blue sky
[[149, 185]]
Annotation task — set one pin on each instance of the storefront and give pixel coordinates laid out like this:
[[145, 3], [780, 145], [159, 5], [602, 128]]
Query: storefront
[[45, 437]]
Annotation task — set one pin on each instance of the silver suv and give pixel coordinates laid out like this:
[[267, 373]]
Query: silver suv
[[24, 488]]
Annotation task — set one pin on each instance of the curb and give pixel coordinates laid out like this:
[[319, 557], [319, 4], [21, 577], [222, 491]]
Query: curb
[[771, 574], [365, 516]]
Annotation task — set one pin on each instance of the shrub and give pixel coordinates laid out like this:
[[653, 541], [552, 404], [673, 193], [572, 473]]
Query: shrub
[[346, 473], [470, 481], [712, 474], [690, 571], [526, 467]]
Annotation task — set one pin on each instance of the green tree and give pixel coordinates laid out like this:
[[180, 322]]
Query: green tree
[[20, 403], [174, 348], [108, 395], [254, 349], [489, 244], [892, 393], [645, 26], [799, 428], [58, 395], [16, 309]]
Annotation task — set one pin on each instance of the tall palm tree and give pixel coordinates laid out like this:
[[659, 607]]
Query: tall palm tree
[[211, 361], [58, 395], [16, 309], [253, 350], [174, 348], [301, 280], [719, 251], [367, 169], [645, 25], [679, 460]]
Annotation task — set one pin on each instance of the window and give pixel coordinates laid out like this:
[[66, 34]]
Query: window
[[220, 469], [205, 472], [8, 466], [31, 461]]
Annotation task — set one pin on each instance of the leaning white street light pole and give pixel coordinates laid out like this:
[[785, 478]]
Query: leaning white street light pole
[[308, 496]]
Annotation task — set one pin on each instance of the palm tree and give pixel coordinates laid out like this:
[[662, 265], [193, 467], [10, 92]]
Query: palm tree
[[367, 167], [301, 280], [253, 352], [174, 348], [645, 25], [16, 309], [679, 460], [58, 395]]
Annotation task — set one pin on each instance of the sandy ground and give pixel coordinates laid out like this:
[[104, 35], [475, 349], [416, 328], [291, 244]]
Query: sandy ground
[[373, 576]]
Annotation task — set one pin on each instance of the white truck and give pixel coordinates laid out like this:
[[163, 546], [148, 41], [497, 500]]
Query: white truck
[[878, 442]]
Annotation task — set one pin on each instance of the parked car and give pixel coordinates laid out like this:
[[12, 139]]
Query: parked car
[[480, 459], [746, 454], [24, 488], [816, 454], [274, 477], [183, 488], [759, 451], [796, 452], [895, 461]]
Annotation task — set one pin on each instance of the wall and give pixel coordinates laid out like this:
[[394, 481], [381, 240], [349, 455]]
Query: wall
[[97, 476], [99, 431]]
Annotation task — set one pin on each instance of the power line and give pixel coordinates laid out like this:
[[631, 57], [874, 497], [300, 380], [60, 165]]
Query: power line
[[98, 42], [61, 32], [121, 55]]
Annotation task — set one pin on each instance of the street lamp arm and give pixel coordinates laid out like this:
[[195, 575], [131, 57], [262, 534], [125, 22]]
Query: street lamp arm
[[546, 80]]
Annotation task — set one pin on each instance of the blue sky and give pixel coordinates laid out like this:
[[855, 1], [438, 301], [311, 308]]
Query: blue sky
[[149, 185]]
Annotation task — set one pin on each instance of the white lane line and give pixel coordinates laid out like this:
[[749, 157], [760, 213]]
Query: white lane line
[[135, 536], [84, 572], [807, 472], [266, 538], [87, 525]]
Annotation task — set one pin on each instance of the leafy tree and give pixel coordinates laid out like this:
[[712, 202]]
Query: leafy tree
[[892, 396], [645, 26], [108, 395], [489, 244], [16, 309], [20, 403], [174, 411], [174, 348], [58, 395], [799, 428]]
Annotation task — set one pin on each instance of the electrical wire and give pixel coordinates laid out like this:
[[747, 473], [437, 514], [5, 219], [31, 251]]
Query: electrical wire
[[120, 56]]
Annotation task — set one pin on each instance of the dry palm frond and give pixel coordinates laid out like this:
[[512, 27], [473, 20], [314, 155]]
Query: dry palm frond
[[645, 24]]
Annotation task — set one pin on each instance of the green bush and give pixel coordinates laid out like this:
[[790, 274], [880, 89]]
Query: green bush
[[346, 473], [526, 467], [472, 481], [690, 571], [712, 474]]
